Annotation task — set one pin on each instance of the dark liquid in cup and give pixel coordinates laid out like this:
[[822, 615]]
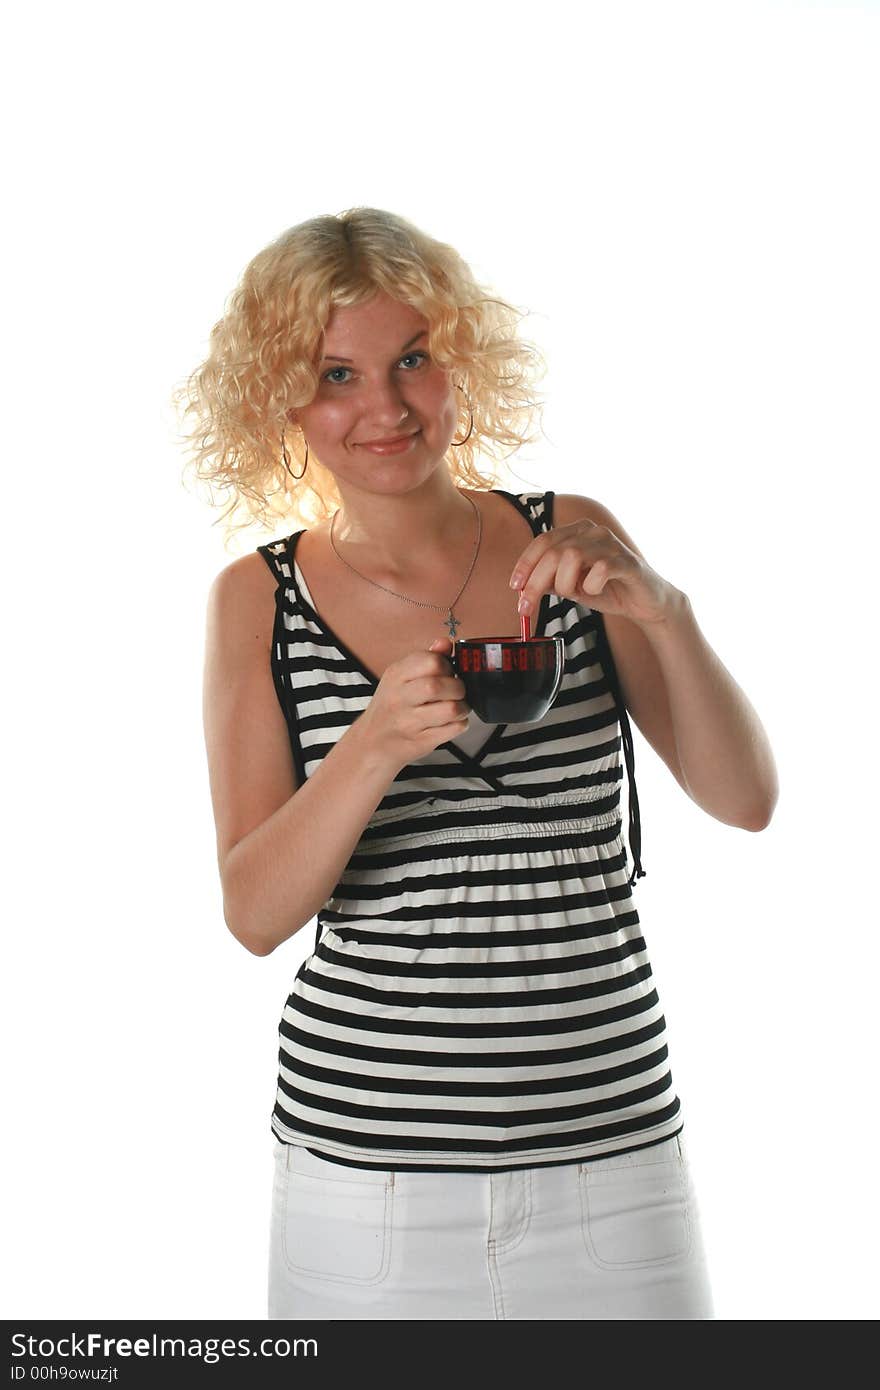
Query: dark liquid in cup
[[509, 681]]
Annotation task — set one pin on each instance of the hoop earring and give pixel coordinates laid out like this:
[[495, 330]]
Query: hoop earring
[[457, 442], [286, 458]]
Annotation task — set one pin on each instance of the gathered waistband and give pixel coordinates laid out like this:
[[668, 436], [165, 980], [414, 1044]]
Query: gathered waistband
[[436, 821]]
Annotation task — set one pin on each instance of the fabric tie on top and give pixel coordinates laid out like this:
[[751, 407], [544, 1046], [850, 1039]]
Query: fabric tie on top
[[635, 825]]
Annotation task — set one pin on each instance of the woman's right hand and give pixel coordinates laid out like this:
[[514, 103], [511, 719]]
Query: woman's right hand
[[417, 705]]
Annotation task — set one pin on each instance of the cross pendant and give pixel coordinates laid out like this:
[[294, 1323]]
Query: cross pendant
[[452, 623]]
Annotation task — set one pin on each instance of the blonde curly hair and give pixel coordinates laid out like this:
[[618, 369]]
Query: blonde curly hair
[[265, 349]]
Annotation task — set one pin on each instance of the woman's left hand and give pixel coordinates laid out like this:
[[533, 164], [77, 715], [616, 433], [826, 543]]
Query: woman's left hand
[[587, 563]]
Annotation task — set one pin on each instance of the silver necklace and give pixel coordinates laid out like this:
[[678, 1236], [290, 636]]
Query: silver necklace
[[450, 620]]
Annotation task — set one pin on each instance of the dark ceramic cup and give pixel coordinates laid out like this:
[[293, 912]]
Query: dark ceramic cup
[[508, 680]]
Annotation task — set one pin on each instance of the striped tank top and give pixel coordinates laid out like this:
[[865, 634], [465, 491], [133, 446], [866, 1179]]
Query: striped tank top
[[479, 997]]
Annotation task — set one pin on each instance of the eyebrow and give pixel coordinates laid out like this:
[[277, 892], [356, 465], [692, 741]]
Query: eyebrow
[[328, 357]]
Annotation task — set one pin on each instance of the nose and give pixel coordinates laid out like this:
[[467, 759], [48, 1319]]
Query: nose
[[385, 408]]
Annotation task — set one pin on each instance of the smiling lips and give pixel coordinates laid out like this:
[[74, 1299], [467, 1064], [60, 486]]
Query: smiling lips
[[390, 446]]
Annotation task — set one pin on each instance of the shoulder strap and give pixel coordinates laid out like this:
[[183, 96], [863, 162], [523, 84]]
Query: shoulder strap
[[635, 824], [273, 554], [279, 557], [536, 507]]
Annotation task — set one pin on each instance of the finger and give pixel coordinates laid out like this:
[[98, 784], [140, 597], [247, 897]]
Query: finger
[[596, 578], [538, 547], [544, 578], [534, 551], [417, 670], [570, 572], [607, 567], [562, 570]]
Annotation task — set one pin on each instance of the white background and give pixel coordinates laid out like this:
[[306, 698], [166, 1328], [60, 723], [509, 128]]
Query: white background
[[685, 198]]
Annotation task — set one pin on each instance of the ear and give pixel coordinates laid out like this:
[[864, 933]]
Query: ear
[[291, 416]]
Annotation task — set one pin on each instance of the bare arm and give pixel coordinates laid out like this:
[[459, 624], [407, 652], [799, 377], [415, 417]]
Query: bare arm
[[686, 702], [284, 870], [281, 849], [724, 750]]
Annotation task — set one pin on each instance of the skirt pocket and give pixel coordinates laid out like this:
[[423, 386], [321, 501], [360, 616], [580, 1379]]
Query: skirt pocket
[[635, 1209], [335, 1224]]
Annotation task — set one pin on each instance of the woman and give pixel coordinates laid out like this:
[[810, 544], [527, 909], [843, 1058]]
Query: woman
[[475, 1115]]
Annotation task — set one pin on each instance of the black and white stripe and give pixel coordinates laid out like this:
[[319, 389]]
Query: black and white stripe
[[480, 995]]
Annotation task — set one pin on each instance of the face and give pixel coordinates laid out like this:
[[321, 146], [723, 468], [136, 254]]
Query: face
[[387, 386]]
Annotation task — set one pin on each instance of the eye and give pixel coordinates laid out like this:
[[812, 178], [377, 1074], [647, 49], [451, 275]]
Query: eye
[[408, 357]]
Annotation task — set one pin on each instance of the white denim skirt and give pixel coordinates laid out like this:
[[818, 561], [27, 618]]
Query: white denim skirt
[[614, 1237]]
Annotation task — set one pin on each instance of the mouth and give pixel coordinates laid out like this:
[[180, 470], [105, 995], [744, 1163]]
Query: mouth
[[396, 445]]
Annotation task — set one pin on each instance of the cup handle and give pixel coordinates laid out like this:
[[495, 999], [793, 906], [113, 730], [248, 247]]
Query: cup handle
[[561, 670]]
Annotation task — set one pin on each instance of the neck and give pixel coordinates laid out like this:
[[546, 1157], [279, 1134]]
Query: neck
[[406, 534]]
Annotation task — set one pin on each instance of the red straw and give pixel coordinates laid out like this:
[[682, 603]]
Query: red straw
[[525, 627]]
